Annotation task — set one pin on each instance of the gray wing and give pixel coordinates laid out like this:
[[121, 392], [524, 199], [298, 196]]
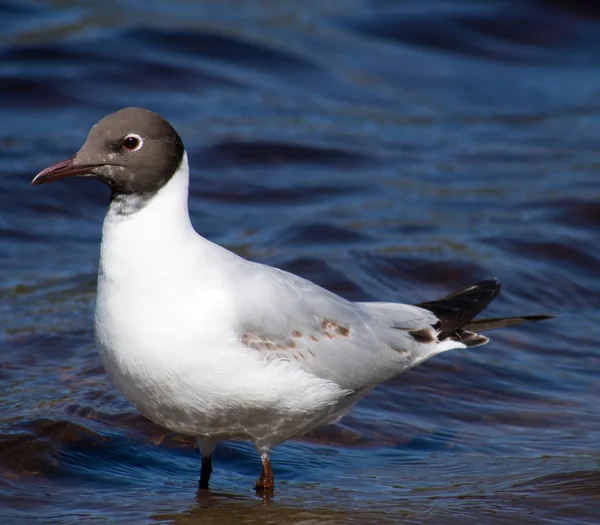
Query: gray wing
[[356, 345]]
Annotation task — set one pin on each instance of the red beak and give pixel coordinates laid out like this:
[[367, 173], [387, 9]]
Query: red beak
[[62, 170]]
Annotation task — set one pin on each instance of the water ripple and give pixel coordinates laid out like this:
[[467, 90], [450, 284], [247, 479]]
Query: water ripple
[[387, 151]]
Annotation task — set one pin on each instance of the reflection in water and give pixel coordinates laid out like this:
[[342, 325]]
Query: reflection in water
[[388, 151]]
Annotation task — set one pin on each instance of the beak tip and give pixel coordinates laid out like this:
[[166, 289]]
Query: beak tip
[[60, 171], [37, 180]]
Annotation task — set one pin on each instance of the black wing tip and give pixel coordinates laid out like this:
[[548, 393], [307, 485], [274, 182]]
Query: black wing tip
[[492, 285], [488, 285], [456, 309], [539, 317]]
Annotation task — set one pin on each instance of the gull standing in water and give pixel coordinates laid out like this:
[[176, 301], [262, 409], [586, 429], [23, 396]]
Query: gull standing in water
[[206, 343]]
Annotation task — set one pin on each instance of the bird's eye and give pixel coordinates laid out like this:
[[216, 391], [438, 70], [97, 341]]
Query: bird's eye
[[133, 142]]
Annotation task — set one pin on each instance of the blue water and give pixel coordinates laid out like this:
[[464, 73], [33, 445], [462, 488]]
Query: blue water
[[385, 150]]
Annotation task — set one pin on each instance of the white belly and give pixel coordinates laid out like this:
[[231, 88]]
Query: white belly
[[195, 378]]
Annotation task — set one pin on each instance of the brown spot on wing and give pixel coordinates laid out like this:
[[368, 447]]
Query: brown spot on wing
[[425, 335], [469, 339], [331, 329], [266, 344], [342, 331]]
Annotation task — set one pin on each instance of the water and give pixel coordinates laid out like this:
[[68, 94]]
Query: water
[[386, 150]]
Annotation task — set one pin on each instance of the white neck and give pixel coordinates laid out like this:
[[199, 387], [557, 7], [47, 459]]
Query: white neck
[[166, 210], [157, 241]]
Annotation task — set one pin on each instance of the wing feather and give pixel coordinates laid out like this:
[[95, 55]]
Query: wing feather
[[356, 345]]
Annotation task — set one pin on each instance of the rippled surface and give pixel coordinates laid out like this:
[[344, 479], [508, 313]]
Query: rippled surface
[[386, 150]]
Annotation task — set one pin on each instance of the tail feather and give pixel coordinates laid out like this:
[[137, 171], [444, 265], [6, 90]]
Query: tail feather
[[458, 308], [457, 311], [483, 325]]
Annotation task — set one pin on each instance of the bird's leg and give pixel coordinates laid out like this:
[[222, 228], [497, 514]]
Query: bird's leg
[[206, 448], [205, 472], [266, 482]]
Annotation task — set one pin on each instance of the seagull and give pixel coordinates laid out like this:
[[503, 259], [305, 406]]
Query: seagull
[[208, 344]]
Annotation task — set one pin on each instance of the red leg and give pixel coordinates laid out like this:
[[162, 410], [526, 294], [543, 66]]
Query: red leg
[[266, 482]]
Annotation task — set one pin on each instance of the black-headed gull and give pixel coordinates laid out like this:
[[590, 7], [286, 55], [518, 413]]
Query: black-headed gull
[[206, 343]]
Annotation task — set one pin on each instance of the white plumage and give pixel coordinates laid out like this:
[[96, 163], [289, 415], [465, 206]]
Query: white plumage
[[172, 312]]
